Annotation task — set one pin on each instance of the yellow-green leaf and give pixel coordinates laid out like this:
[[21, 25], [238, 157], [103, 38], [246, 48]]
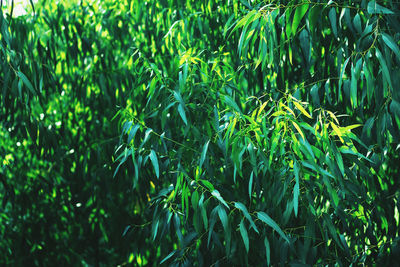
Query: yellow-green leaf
[[298, 129], [337, 132], [302, 110]]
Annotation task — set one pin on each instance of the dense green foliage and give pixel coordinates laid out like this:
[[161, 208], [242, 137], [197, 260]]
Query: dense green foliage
[[200, 133]]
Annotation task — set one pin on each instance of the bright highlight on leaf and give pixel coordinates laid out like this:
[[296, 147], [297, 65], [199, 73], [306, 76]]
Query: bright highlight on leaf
[[302, 110]]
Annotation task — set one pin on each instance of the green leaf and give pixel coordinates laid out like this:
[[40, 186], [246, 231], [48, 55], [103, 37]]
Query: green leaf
[[301, 10], [369, 81], [223, 217], [26, 82], [374, 8], [353, 88], [300, 107], [232, 103], [203, 153], [182, 113], [357, 23], [342, 73], [251, 184], [265, 218], [203, 211], [246, 20], [207, 184], [296, 193], [217, 195], [395, 108], [168, 257], [391, 44], [132, 133], [331, 229], [246, 214], [385, 69], [332, 18], [245, 237], [305, 44], [154, 161], [313, 16], [267, 251], [154, 227], [315, 95], [339, 159]]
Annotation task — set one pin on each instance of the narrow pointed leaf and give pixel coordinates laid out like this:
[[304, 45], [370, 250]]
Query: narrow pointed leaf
[[154, 161], [246, 214], [203, 153], [26, 81], [267, 251], [265, 218], [245, 237], [300, 107]]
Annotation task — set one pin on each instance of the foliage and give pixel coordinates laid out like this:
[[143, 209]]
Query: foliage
[[251, 133]]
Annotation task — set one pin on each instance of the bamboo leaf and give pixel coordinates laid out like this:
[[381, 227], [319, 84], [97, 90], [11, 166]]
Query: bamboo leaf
[[267, 251], [296, 193], [203, 153], [218, 196], [353, 88], [332, 18], [265, 218], [384, 66], [251, 184], [298, 129], [391, 44], [245, 237], [337, 131], [301, 10], [246, 214], [300, 107], [26, 81], [169, 256], [342, 73], [374, 8], [154, 161], [182, 113], [232, 103]]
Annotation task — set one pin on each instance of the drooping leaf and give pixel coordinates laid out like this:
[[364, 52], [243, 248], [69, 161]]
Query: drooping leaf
[[223, 217], [154, 161], [182, 113], [132, 133], [245, 237], [375, 8], [26, 81], [209, 185], [251, 184], [296, 192], [342, 73], [265, 218], [385, 69], [332, 18], [353, 89], [168, 256], [267, 251], [246, 214], [218, 196], [299, 13], [391, 44], [203, 153], [300, 107], [298, 129], [232, 103]]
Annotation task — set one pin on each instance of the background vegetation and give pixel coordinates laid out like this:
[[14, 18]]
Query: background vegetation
[[199, 133]]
